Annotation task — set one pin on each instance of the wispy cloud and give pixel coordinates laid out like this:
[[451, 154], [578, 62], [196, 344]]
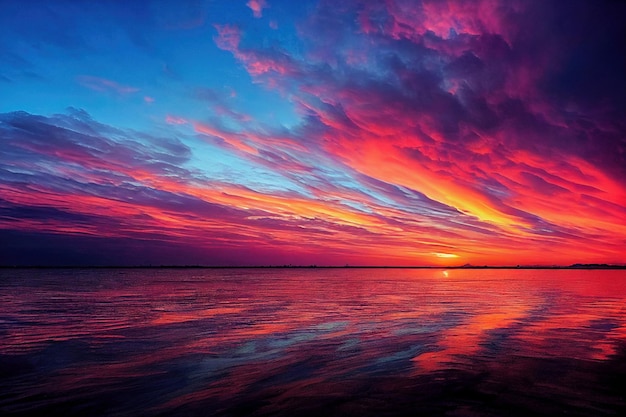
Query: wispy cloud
[[104, 85]]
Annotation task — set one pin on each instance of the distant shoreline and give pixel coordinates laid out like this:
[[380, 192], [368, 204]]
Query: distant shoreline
[[574, 266]]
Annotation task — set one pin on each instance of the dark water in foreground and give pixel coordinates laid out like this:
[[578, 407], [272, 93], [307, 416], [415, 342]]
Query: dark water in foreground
[[312, 342]]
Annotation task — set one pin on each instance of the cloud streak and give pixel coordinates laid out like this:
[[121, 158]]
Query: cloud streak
[[105, 86]]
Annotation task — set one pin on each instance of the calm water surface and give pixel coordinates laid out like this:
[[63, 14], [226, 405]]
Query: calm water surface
[[312, 342]]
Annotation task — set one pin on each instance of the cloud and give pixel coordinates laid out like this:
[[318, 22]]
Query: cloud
[[454, 101], [70, 175], [257, 62], [257, 7], [104, 85]]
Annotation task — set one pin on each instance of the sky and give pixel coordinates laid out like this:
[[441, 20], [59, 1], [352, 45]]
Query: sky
[[267, 132]]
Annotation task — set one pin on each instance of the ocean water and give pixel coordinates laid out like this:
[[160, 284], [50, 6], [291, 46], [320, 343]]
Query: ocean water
[[318, 342]]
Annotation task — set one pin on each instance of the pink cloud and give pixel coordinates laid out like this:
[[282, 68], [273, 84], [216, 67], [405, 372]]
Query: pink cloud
[[228, 37], [257, 62], [174, 120], [257, 7]]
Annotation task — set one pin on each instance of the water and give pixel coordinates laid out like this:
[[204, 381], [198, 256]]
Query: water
[[327, 342]]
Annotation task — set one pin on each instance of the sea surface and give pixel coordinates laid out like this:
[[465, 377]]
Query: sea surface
[[312, 342]]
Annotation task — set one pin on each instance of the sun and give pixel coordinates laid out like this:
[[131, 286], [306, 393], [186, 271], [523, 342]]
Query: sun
[[445, 255]]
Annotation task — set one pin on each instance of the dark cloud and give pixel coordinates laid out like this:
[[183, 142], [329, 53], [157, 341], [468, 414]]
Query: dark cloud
[[53, 249], [14, 212], [548, 70]]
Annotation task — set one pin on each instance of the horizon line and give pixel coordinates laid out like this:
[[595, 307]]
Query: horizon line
[[313, 266]]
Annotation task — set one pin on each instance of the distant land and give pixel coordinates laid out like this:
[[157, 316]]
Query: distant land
[[466, 266]]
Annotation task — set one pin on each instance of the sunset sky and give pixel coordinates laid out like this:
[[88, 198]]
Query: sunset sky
[[270, 132]]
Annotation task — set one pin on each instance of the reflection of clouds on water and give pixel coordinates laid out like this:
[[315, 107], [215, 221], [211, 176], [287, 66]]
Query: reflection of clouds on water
[[287, 337]]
